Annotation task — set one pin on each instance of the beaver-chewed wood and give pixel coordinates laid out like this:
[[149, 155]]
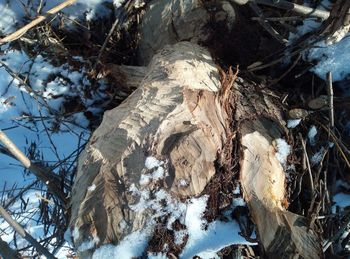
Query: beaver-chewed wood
[[175, 115]]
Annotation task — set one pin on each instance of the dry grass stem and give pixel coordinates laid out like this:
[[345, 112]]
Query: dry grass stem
[[17, 34]]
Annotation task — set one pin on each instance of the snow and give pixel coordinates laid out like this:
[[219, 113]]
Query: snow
[[152, 162], [75, 234], [217, 236], [156, 256], [29, 220], [342, 200], [238, 202], [327, 56], [203, 238], [32, 116], [318, 156], [330, 58], [282, 150], [182, 183], [89, 244], [237, 190], [208, 255], [131, 246], [179, 236], [312, 134], [38, 103], [157, 174], [13, 14], [92, 188], [193, 219], [291, 124]]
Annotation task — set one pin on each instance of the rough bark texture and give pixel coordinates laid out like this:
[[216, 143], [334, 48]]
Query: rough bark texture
[[179, 115], [168, 22], [175, 115], [282, 234]]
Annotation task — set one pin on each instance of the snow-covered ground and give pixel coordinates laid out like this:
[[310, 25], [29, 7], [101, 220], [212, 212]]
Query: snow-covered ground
[[32, 113]]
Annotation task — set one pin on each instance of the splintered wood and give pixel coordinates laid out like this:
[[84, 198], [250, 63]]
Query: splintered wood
[[176, 116], [282, 234]]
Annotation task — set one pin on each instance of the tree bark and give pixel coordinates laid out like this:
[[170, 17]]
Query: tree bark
[[176, 116], [181, 115]]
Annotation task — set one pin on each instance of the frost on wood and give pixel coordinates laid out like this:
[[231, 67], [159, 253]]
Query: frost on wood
[[174, 116]]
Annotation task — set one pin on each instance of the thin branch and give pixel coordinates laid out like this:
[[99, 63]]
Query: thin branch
[[286, 5], [275, 81], [338, 234], [7, 252], [300, 9], [20, 230], [120, 17], [337, 143], [19, 33], [330, 99], [38, 171], [266, 25], [13, 199], [308, 165]]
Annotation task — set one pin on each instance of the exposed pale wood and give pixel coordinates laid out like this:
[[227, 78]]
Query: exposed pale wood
[[174, 115], [282, 234], [178, 114]]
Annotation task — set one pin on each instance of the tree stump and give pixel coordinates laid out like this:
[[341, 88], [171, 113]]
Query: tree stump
[[168, 135]]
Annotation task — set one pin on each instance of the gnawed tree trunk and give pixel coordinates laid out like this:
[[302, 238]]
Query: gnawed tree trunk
[[282, 234], [175, 116], [180, 119]]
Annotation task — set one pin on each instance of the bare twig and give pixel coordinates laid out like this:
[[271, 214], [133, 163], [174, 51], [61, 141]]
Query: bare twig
[[13, 199], [308, 165], [24, 234], [286, 5], [338, 234], [338, 144], [38, 171], [275, 81], [17, 34], [117, 22], [266, 25], [7, 252], [330, 99], [300, 9]]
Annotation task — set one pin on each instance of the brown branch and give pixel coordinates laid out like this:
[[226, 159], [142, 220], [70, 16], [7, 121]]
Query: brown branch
[[7, 252], [20, 230], [308, 165], [266, 25], [19, 33]]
